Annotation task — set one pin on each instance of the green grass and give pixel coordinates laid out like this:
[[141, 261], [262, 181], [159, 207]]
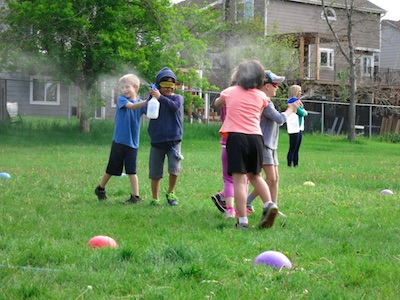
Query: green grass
[[342, 236]]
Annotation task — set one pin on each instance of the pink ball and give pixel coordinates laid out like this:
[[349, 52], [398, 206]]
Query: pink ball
[[100, 241], [273, 259], [386, 192]]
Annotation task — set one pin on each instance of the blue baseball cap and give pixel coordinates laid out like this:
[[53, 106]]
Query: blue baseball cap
[[273, 78]]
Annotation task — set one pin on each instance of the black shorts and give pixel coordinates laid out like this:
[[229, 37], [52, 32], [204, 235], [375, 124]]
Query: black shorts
[[245, 153], [120, 156]]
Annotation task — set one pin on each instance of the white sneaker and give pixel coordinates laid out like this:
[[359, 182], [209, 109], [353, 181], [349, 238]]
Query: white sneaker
[[230, 213], [268, 216]]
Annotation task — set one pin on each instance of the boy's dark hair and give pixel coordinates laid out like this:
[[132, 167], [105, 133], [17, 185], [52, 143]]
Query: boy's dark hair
[[250, 74]]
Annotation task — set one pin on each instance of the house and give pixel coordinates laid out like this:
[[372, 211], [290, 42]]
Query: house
[[46, 97], [319, 58], [390, 54]]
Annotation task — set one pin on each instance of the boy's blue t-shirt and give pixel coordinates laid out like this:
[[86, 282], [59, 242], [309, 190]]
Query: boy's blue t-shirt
[[127, 123]]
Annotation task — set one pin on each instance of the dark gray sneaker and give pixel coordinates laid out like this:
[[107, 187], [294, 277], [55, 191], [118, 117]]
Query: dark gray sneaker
[[243, 226], [100, 193], [268, 216], [133, 200], [171, 199]]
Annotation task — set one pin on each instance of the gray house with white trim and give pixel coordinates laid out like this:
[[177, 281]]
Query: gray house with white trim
[[390, 45]]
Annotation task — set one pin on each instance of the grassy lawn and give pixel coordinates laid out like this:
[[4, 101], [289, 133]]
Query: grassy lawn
[[342, 236]]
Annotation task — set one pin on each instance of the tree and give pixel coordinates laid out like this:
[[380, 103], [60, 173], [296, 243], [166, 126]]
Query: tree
[[79, 41], [349, 55]]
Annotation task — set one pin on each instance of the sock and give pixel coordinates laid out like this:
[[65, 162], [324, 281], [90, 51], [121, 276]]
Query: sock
[[229, 207], [266, 203], [100, 188], [243, 220], [250, 199]]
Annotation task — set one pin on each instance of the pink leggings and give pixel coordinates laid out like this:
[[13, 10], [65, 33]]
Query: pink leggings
[[227, 179]]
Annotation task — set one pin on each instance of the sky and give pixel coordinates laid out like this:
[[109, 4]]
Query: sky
[[392, 7]]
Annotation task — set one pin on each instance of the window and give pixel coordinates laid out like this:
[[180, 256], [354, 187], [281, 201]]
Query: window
[[244, 10], [330, 14], [44, 91], [367, 65], [326, 58]]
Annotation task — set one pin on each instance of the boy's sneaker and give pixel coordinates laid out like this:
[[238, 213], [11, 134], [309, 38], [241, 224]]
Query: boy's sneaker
[[155, 202], [249, 209], [242, 225], [100, 193], [133, 200], [219, 202], [172, 200], [268, 216], [230, 213]]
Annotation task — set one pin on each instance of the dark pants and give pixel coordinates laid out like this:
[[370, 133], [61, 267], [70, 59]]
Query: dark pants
[[294, 147]]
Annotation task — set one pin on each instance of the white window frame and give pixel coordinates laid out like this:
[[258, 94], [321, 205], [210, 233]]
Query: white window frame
[[47, 83], [109, 92], [330, 14], [114, 97], [330, 53], [244, 10], [100, 113]]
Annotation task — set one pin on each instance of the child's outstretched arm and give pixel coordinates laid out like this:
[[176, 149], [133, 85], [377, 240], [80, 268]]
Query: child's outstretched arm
[[219, 102], [135, 105]]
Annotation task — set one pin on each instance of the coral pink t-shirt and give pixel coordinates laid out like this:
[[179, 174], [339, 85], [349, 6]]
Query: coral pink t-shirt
[[243, 110]]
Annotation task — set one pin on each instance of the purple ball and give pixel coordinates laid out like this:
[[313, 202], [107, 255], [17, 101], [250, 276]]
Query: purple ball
[[273, 259], [386, 192]]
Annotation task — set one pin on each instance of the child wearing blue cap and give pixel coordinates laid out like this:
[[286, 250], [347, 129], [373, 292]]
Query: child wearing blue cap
[[271, 120]]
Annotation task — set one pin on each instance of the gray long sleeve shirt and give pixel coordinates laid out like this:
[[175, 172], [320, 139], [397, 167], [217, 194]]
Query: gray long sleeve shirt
[[271, 120]]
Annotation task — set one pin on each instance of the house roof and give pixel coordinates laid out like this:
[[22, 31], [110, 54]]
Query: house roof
[[360, 5], [394, 24]]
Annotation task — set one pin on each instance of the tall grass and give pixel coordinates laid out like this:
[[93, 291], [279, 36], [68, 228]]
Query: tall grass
[[342, 236]]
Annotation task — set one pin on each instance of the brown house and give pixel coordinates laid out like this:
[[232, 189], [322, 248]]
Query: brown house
[[319, 58]]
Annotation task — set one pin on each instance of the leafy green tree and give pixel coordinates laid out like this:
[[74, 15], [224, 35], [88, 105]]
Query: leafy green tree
[[79, 41]]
